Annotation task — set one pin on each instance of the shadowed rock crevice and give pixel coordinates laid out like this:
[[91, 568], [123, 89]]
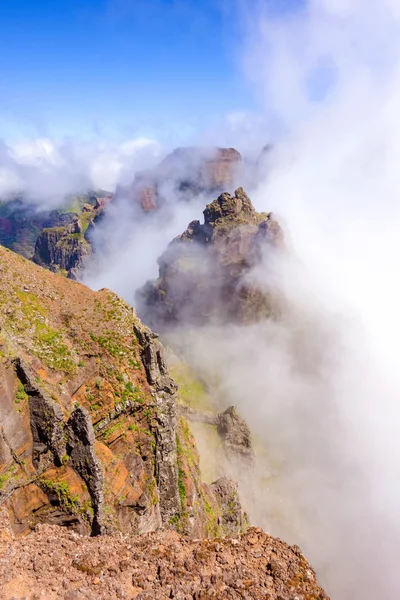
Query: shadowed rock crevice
[[80, 449]]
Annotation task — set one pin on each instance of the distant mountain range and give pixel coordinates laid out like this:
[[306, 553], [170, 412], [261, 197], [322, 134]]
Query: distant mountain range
[[61, 239]]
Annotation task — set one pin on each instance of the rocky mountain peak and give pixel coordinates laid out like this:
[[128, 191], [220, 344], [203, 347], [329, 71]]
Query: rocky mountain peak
[[202, 272], [226, 206], [186, 172]]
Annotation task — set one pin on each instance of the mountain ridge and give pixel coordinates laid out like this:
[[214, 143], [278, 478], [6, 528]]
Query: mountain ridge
[[90, 435]]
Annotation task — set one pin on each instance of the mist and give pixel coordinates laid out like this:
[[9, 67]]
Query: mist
[[320, 387], [45, 171], [128, 243]]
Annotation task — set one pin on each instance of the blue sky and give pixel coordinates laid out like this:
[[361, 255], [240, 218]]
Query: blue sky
[[117, 67]]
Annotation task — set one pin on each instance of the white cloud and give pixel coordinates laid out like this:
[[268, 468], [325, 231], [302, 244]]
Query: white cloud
[[335, 183], [46, 170]]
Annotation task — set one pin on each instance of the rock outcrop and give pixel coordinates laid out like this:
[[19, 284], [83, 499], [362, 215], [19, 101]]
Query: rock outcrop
[[62, 248], [186, 172], [53, 564], [90, 437], [20, 225], [202, 274], [232, 429], [57, 239]]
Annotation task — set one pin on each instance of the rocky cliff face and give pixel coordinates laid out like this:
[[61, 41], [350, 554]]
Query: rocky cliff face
[[202, 273], [62, 249], [66, 248], [186, 172], [58, 239], [89, 432], [93, 442], [20, 225]]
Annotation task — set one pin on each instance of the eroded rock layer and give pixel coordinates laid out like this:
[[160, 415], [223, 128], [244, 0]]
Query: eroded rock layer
[[89, 432]]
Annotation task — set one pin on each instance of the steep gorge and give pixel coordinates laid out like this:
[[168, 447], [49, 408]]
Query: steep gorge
[[95, 436], [92, 439]]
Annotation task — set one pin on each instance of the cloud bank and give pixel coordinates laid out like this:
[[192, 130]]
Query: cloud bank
[[47, 170], [320, 386]]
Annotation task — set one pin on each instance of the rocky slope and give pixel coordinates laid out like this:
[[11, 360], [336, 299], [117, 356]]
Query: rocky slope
[[52, 564], [202, 272], [186, 172], [90, 435]]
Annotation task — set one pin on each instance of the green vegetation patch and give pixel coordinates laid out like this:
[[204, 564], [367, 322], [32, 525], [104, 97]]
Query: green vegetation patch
[[132, 393], [47, 343], [7, 476], [191, 391], [31, 307], [21, 394], [110, 342], [119, 427], [51, 349], [62, 491], [182, 486]]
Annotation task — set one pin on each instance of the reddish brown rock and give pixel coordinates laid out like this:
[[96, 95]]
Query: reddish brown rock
[[52, 564], [89, 434], [185, 172], [102, 202]]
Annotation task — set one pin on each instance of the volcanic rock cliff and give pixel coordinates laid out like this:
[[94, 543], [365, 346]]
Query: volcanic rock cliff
[[56, 239], [90, 436], [202, 274], [186, 172], [62, 248], [61, 239]]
